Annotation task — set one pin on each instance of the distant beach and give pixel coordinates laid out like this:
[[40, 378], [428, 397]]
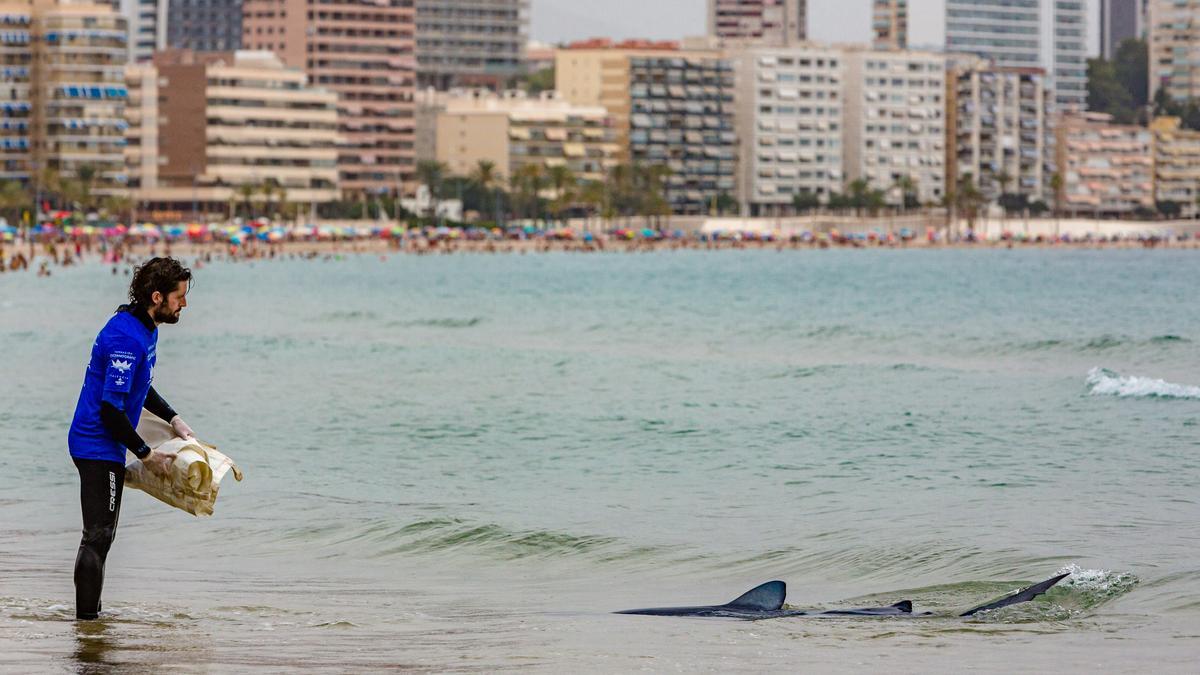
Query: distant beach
[[46, 255]]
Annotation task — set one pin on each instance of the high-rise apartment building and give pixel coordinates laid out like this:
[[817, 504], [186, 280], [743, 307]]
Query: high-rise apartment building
[[681, 117], [147, 21], [78, 94], [1176, 165], [1120, 20], [470, 43], [773, 22], [998, 130], [597, 72], [203, 126], [1107, 168], [513, 130], [1026, 34], [1174, 46], [889, 24], [895, 126], [789, 124], [363, 51], [16, 94], [1065, 33], [204, 25]]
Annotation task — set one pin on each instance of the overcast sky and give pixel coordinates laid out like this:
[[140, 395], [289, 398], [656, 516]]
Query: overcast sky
[[829, 20]]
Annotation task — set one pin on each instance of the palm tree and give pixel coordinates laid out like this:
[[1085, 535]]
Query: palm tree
[[432, 174], [907, 187], [595, 195], [118, 206], [968, 198], [621, 190], [86, 177], [562, 180], [1057, 184], [246, 192], [652, 190], [860, 191], [13, 198], [485, 176], [530, 179]]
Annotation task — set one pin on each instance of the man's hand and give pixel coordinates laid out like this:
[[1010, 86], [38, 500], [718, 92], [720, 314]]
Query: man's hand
[[181, 428], [159, 463]]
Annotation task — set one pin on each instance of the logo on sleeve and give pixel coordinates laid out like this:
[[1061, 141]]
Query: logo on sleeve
[[122, 368]]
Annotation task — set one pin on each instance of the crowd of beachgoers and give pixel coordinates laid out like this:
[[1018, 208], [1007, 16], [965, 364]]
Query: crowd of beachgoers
[[43, 251]]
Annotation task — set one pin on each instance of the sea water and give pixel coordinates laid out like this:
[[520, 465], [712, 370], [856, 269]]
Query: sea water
[[466, 462]]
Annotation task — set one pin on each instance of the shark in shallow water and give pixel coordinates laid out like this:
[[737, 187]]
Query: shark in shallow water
[[766, 602]]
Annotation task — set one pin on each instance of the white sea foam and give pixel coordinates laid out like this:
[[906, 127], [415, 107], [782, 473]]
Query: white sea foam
[[1101, 581], [1104, 382]]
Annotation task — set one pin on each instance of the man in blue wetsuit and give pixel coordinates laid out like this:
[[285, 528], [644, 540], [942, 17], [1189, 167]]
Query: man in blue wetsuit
[[116, 386]]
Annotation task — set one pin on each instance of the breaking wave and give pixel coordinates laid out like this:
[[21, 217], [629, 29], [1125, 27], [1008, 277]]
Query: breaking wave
[[1104, 382]]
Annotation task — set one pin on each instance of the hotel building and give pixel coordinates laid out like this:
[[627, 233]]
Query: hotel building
[[598, 72], [999, 127], [363, 51], [889, 23], [470, 43], [204, 125], [1176, 165], [204, 25], [767, 22], [1107, 168], [512, 130], [682, 116], [76, 111], [1026, 34], [895, 126], [790, 125], [1174, 46]]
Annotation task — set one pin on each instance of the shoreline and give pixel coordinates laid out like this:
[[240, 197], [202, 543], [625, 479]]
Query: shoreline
[[15, 257]]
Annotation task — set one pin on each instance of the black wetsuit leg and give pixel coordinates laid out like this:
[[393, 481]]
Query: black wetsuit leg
[[100, 487]]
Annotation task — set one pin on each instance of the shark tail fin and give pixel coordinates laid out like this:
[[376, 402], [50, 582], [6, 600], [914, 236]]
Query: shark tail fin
[[1024, 595], [767, 597]]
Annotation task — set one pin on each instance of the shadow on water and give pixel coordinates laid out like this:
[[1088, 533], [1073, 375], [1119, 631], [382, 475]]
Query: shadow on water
[[94, 645]]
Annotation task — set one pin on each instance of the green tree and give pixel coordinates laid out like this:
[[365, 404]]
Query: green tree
[[246, 192], [487, 179], [119, 207], [907, 188], [1131, 67], [805, 201], [1107, 94], [542, 80], [968, 198], [1056, 184], [1169, 209], [14, 198], [562, 181], [432, 174], [858, 190], [85, 177], [725, 204]]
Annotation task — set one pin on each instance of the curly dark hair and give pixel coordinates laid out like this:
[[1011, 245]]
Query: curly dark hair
[[157, 274]]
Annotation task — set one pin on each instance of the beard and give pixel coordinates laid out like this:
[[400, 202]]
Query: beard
[[165, 315]]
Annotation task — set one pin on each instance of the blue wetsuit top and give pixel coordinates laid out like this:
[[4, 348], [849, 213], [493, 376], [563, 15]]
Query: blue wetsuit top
[[117, 380]]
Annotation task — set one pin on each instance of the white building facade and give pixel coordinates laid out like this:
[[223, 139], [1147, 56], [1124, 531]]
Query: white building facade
[[790, 128], [895, 122]]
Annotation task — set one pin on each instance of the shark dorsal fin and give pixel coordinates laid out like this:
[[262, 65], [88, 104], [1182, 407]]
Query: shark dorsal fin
[[768, 597], [904, 606], [1024, 595]]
